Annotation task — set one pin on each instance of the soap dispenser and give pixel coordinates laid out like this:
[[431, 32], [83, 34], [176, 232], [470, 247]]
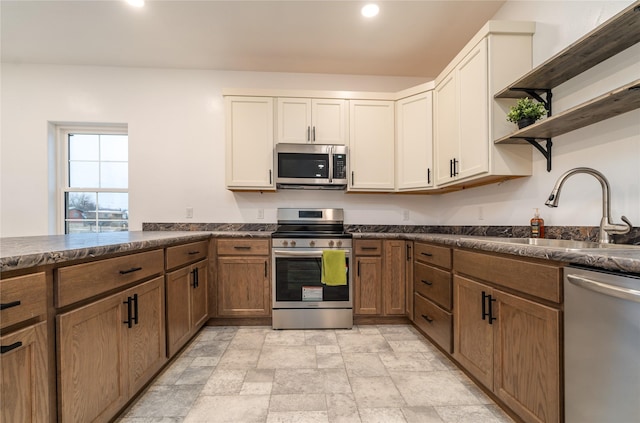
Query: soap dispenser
[[537, 225]]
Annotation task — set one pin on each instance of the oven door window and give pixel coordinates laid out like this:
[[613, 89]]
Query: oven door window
[[299, 165], [298, 277]]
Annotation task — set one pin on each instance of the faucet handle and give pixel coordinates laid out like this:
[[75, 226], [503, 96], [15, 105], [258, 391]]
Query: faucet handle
[[629, 225], [618, 228]]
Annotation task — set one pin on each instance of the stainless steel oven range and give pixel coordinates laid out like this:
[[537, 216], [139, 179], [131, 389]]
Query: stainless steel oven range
[[300, 299]]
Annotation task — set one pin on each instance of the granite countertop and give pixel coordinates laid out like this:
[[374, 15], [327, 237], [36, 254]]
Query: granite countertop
[[24, 252]]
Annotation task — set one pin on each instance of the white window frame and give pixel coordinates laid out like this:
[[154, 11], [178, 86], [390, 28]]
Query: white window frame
[[62, 137]]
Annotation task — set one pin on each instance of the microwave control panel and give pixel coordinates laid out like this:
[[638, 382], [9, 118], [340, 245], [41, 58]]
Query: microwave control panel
[[340, 166]]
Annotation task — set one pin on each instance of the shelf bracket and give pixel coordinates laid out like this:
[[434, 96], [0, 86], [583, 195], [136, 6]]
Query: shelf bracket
[[546, 152], [535, 93]]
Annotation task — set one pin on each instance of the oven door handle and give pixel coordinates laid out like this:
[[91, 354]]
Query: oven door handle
[[314, 253]]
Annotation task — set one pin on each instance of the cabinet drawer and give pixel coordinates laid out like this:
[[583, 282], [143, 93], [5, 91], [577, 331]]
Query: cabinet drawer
[[434, 321], [432, 254], [368, 247], [243, 247], [187, 253], [534, 278], [22, 298], [433, 283], [76, 283]]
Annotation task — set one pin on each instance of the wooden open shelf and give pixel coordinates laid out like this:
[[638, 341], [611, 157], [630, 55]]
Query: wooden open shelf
[[615, 35], [613, 103]]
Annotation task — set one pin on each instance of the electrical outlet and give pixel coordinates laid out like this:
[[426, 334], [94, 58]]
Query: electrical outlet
[[405, 215], [189, 212], [260, 213]]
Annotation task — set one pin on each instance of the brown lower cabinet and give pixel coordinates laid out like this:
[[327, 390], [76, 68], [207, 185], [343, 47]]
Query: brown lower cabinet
[[509, 343], [107, 350]]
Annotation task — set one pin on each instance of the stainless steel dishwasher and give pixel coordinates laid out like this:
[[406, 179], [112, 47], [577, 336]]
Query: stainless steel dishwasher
[[602, 346]]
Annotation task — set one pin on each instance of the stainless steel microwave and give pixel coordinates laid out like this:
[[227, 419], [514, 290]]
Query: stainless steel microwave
[[311, 166]]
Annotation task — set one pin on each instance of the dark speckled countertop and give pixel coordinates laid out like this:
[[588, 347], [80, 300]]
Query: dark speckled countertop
[[24, 252]]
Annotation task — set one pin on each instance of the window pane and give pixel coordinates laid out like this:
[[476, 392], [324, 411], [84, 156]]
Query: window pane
[[115, 202], [113, 226], [80, 205], [114, 175], [84, 174], [84, 147], [114, 148], [73, 227]]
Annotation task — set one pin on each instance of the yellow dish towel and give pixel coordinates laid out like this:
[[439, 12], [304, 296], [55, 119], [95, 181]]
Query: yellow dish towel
[[334, 268]]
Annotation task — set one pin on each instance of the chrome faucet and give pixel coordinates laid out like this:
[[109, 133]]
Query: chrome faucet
[[606, 227]]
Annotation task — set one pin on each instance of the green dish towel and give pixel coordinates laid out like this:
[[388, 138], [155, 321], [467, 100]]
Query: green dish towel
[[334, 268]]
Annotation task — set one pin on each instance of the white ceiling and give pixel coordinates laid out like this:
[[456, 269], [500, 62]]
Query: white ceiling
[[407, 38]]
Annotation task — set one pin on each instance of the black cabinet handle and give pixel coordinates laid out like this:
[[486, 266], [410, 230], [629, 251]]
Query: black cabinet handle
[[455, 167], [426, 282], [5, 306], [426, 254], [358, 268], [266, 268], [352, 182], [194, 272], [429, 175], [308, 133], [427, 318], [129, 304], [133, 269], [484, 305], [487, 307], [451, 168], [408, 252], [242, 247], [491, 318], [193, 253], [7, 348], [369, 248], [135, 309], [270, 176], [314, 133]]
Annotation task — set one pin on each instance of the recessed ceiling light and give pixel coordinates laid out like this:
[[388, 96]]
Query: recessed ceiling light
[[370, 10], [136, 3]]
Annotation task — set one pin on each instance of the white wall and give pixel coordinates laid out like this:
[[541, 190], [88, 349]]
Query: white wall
[[176, 132]]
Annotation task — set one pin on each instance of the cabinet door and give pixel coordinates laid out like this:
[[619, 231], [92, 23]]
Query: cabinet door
[[249, 143], [23, 376], [146, 341], [330, 120], [178, 309], [473, 112], [371, 143], [294, 120], [394, 281], [414, 142], [527, 357], [243, 287], [199, 312], [446, 136], [473, 336], [368, 286], [92, 361]]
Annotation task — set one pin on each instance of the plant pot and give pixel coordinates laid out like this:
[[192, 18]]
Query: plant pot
[[525, 122]]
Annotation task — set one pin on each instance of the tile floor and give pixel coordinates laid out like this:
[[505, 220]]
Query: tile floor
[[387, 374]]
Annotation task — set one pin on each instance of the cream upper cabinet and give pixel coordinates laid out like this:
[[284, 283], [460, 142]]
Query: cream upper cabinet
[[467, 117], [249, 143], [414, 142], [305, 120], [371, 151]]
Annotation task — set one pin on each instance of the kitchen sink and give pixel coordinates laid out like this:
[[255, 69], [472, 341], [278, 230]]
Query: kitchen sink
[[562, 243]]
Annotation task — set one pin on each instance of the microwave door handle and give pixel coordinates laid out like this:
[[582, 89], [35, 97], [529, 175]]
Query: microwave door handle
[[331, 164]]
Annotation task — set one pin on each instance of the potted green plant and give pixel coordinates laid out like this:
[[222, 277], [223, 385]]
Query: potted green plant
[[525, 112]]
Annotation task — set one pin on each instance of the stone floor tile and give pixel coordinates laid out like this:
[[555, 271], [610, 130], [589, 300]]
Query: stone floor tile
[[368, 330], [336, 381], [382, 415], [194, 376], [432, 388], [376, 392], [172, 373], [364, 365], [328, 349], [280, 357], [421, 415], [239, 359], [329, 361], [150, 420], [224, 382], [320, 337], [357, 342], [502, 416], [205, 362], [247, 341], [217, 333], [409, 361], [416, 345], [260, 375], [285, 337], [298, 381], [466, 414], [342, 408], [256, 388], [229, 409], [399, 333], [206, 349], [297, 417], [298, 402], [165, 401]]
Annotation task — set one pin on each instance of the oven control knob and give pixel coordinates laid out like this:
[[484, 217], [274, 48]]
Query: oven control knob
[[330, 243], [339, 243], [312, 243], [293, 243], [285, 243]]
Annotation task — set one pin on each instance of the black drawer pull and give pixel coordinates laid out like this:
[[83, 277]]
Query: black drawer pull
[[133, 269], [427, 318], [135, 309], [426, 254], [5, 306], [426, 282], [129, 303], [8, 348], [242, 247], [369, 248], [192, 253]]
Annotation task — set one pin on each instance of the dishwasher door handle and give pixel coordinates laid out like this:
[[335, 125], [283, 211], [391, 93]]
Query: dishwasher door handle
[[606, 289]]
